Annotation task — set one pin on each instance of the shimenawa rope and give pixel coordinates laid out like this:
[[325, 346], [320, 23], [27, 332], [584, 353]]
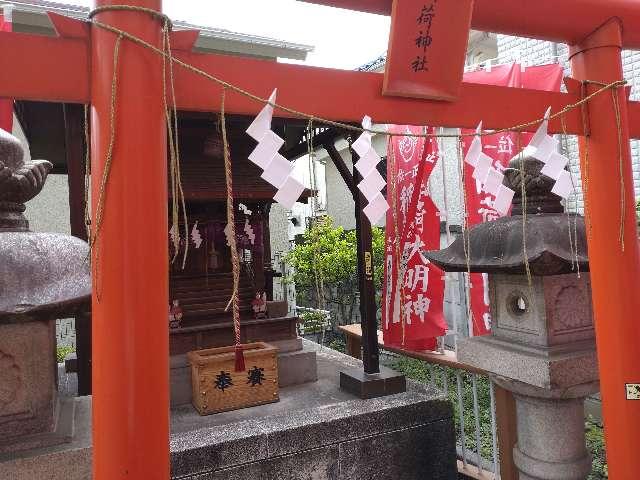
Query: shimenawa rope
[[231, 225]]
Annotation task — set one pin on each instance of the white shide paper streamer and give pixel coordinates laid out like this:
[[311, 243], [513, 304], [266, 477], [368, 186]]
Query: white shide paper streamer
[[372, 182], [545, 148], [277, 169], [489, 178]]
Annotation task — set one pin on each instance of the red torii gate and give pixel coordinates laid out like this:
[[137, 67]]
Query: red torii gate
[[130, 332]]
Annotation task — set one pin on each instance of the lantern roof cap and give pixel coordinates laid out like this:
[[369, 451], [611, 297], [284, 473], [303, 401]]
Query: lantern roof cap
[[43, 275], [549, 240]]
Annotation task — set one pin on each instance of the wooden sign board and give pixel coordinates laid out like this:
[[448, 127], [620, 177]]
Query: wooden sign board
[[427, 48]]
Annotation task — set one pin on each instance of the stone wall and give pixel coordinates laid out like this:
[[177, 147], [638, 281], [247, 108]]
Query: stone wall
[[66, 332]]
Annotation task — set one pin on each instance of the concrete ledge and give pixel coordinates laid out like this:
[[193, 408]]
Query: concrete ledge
[[415, 453], [319, 431], [316, 431]]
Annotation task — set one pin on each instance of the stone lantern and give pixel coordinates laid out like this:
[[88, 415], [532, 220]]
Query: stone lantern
[[542, 344], [43, 276]]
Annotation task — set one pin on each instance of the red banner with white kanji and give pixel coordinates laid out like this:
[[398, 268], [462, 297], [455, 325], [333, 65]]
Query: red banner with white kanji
[[501, 148], [413, 291], [6, 104]]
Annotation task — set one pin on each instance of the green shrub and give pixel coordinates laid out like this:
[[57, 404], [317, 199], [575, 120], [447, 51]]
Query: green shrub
[[313, 322], [324, 265], [62, 351], [338, 344], [595, 443]]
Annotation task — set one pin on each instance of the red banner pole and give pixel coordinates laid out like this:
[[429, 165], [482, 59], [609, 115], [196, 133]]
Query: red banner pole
[[6, 104], [130, 257], [615, 273]]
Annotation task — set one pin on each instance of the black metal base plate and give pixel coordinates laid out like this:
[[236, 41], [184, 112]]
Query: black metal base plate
[[372, 385]]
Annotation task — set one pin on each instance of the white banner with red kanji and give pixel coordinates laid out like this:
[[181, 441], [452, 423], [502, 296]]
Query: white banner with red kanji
[[413, 290], [501, 148]]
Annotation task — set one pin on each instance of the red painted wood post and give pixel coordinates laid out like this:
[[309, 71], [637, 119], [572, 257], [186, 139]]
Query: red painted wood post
[[130, 323], [615, 274]]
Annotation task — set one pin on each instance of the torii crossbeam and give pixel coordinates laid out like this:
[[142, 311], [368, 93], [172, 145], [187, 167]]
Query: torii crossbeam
[[130, 331]]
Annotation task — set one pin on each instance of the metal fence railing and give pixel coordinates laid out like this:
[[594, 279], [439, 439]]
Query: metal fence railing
[[484, 420], [314, 321], [472, 396]]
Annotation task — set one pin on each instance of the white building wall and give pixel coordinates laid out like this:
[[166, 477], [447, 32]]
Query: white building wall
[[340, 205], [49, 211], [283, 231]]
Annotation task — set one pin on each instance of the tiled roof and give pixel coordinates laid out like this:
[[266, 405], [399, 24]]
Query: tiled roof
[[82, 12], [374, 64]]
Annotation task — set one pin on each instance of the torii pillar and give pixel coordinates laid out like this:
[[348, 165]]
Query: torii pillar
[[130, 326], [606, 174]]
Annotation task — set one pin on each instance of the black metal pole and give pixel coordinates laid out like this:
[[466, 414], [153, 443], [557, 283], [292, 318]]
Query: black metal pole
[[74, 150], [368, 320], [373, 382], [364, 235]]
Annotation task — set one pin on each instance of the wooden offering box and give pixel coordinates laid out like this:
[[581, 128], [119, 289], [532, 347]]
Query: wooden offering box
[[217, 387]]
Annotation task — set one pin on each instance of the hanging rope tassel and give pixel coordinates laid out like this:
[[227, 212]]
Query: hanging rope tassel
[[239, 359], [171, 116], [231, 223], [616, 109], [93, 245]]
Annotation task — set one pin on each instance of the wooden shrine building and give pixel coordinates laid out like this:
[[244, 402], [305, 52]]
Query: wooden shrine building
[[203, 287]]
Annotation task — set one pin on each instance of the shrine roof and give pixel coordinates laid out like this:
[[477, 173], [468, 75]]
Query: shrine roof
[[374, 65], [30, 17]]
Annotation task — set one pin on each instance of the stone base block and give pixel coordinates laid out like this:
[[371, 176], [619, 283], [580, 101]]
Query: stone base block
[[371, 385], [27, 379], [554, 367], [296, 368], [65, 461], [62, 432]]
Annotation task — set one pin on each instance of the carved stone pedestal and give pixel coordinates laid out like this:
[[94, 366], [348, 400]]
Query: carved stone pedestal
[[31, 415], [551, 438]]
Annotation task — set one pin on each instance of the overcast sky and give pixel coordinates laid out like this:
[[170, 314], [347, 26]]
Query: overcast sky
[[342, 39]]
